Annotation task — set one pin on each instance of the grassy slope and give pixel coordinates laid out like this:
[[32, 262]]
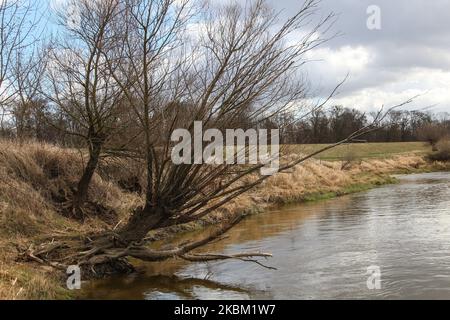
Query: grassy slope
[[30, 173]]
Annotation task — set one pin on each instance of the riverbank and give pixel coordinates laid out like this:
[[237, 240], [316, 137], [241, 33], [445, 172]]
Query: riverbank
[[31, 174]]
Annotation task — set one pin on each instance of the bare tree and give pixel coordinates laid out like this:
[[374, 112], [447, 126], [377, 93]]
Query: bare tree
[[239, 65], [80, 85], [28, 104], [243, 61], [19, 29]]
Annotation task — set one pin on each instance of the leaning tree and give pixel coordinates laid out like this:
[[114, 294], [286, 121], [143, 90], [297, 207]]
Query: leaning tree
[[178, 66]]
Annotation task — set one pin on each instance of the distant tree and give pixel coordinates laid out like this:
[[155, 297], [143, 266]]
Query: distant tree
[[18, 25], [344, 121], [319, 127], [432, 133], [29, 105]]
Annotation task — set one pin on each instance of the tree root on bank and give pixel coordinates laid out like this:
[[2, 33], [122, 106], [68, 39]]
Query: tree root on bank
[[66, 205], [89, 209], [107, 253]]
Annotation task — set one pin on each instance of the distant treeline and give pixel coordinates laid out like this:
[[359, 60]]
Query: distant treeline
[[37, 121], [333, 125]]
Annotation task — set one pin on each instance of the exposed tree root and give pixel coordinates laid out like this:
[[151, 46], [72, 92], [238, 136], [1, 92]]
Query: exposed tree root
[[65, 205], [107, 253]]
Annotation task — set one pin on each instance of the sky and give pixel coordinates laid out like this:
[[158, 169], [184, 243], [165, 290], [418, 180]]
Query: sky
[[408, 55]]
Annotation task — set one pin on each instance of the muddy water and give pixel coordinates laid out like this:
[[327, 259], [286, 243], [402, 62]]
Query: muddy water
[[321, 250]]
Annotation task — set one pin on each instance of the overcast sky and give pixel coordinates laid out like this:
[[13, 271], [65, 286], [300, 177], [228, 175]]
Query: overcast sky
[[410, 54]]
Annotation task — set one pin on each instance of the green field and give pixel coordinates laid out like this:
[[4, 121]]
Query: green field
[[363, 150]]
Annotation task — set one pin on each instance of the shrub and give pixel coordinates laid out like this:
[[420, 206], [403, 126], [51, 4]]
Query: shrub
[[432, 133], [443, 151]]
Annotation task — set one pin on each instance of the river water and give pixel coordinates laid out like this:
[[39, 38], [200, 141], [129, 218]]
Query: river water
[[321, 251]]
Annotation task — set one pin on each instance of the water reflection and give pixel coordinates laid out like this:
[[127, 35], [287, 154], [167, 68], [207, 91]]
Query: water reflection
[[321, 250], [163, 288]]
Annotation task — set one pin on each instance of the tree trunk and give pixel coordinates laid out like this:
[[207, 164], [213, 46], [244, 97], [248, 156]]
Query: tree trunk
[[81, 194], [141, 223]]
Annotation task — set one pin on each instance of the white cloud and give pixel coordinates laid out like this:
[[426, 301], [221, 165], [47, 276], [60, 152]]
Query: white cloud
[[373, 82], [345, 59], [431, 85]]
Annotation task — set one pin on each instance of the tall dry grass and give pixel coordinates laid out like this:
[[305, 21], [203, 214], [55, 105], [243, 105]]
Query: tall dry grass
[[31, 176], [316, 177]]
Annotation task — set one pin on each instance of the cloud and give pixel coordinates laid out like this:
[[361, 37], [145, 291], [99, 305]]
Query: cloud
[[431, 86], [409, 55]]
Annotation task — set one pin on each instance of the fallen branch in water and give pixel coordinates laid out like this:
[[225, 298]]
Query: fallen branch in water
[[240, 256]]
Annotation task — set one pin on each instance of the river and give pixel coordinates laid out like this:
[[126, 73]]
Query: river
[[321, 251]]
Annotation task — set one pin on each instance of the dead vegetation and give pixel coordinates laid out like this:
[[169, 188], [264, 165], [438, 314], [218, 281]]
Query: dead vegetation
[[34, 179], [442, 151]]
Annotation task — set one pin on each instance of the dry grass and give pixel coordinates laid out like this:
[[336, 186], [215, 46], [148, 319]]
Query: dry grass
[[316, 179], [20, 282]]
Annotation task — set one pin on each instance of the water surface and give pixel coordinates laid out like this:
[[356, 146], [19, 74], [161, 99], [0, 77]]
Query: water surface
[[321, 251]]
